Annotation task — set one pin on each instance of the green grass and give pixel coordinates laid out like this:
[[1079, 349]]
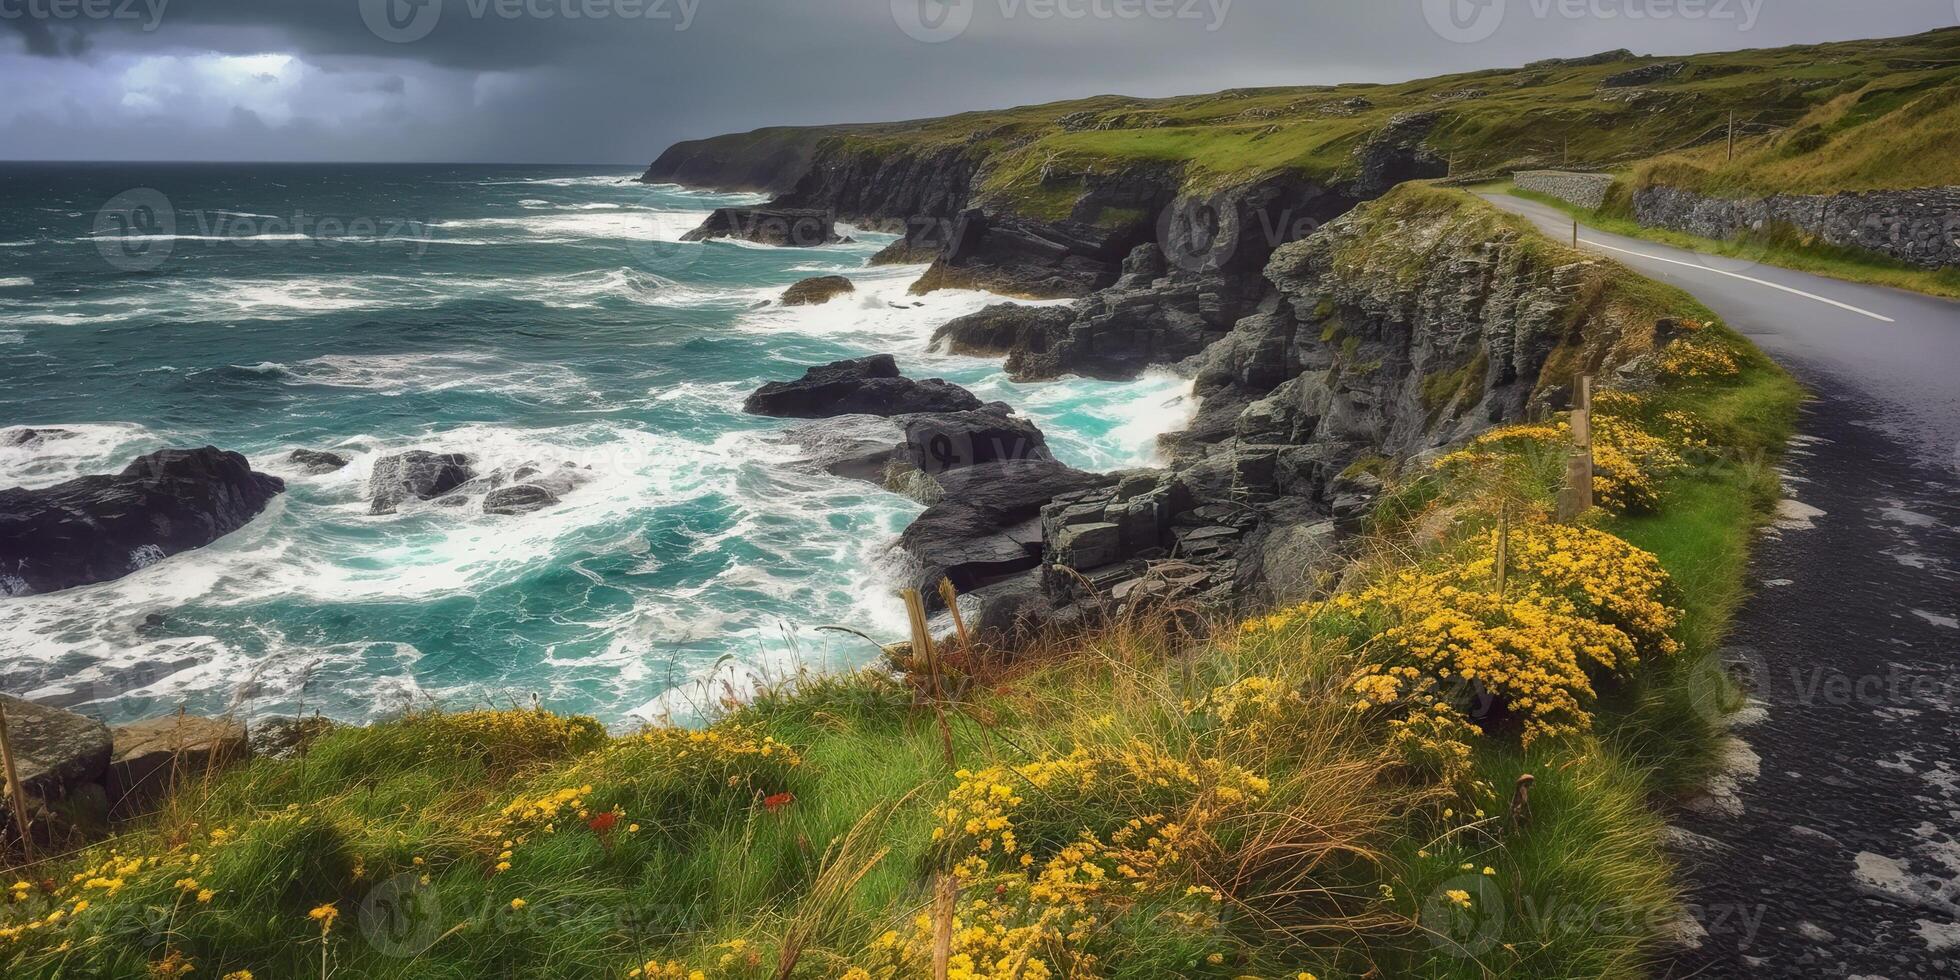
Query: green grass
[[1884, 110], [741, 863], [1851, 265]]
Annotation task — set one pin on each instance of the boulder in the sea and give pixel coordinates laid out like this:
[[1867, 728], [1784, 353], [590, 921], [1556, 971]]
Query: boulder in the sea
[[416, 475], [524, 498], [816, 290], [865, 386], [788, 227], [152, 757], [867, 447], [316, 461], [98, 528]]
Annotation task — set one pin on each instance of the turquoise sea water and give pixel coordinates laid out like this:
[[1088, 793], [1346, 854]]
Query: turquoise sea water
[[522, 314]]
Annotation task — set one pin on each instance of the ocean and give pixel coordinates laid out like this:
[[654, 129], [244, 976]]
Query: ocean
[[520, 314]]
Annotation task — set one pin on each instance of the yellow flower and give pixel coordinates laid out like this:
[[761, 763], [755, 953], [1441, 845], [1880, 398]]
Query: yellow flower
[[204, 896], [517, 903], [325, 916], [239, 975], [1459, 896]]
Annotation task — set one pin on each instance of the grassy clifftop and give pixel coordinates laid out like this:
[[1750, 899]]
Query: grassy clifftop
[[1325, 791], [1885, 106]]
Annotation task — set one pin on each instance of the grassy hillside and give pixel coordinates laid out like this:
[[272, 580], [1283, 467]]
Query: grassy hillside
[[1323, 791], [1883, 108]]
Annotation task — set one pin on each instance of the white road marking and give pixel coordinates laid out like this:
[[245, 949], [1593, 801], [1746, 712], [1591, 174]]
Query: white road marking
[[1738, 275]]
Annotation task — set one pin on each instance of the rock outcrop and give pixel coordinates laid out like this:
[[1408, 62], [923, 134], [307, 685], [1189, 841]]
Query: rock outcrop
[[150, 758], [98, 528], [818, 289], [883, 449], [864, 386], [416, 475], [785, 227], [1644, 75], [1403, 327], [62, 759], [26, 438], [987, 525]]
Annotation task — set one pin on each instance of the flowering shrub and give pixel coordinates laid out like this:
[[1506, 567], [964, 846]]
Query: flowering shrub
[[1628, 462], [1047, 851], [1579, 603], [1693, 359]]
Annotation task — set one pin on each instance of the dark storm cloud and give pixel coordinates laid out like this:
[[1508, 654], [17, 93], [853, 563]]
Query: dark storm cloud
[[617, 80]]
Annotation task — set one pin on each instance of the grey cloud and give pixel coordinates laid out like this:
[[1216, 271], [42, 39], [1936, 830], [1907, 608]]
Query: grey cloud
[[618, 89]]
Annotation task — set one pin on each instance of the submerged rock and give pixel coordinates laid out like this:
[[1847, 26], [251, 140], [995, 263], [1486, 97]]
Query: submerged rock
[[416, 475], [99, 528], [26, 438], [816, 290], [865, 386]]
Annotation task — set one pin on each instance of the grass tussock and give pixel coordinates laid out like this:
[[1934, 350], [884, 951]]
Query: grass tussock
[[1419, 775]]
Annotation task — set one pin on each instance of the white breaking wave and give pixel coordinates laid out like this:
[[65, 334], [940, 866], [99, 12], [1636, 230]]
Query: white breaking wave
[[615, 224], [69, 450], [7, 282], [400, 374]]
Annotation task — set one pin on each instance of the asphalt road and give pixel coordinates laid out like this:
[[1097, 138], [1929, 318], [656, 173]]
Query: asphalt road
[[1833, 848]]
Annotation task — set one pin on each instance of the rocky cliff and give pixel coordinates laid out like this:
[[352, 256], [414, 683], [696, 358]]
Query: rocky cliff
[[1402, 327]]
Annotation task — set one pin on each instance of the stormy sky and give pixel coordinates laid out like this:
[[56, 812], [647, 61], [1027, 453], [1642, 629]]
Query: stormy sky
[[615, 81]]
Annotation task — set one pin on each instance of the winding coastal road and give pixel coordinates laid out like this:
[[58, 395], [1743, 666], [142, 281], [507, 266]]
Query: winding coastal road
[[1833, 847]]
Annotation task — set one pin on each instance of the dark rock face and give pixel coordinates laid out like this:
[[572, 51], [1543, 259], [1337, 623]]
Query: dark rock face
[[766, 160], [865, 386], [1644, 75], [1397, 153], [98, 528], [786, 227], [987, 526], [875, 448], [1920, 226], [416, 475], [1018, 257], [314, 461], [819, 289]]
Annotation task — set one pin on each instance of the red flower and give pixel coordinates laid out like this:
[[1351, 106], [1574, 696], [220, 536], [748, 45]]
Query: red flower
[[778, 801], [603, 822]]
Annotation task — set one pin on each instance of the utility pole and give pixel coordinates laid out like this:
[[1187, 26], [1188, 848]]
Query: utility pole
[[1731, 134]]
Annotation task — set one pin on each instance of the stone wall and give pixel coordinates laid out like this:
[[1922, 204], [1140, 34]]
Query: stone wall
[[1920, 227], [1585, 190]]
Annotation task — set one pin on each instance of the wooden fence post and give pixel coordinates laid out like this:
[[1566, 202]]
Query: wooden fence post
[[1577, 496], [13, 788], [925, 658], [1503, 545]]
